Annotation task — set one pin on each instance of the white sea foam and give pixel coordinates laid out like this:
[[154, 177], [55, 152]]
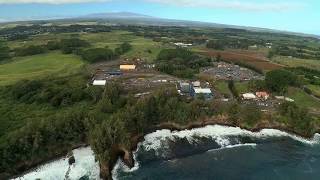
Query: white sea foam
[[85, 165], [220, 134], [252, 145]]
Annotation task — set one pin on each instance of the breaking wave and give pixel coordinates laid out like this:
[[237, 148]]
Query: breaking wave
[[84, 167], [169, 145]]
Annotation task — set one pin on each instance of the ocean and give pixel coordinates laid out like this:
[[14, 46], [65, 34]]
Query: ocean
[[224, 153], [212, 152]]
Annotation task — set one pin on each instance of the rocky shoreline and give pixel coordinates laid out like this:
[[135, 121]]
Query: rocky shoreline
[[25, 168], [127, 156]]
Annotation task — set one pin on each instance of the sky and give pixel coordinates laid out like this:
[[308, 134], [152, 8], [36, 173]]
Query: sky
[[289, 15]]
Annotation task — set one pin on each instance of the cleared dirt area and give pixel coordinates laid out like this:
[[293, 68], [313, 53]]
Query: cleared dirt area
[[254, 59], [141, 81]]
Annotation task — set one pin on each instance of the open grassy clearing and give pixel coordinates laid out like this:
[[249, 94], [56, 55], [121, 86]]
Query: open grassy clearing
[[242, 87], [222, 87], [40, 39], [142, 47], [32, 67], [315, 89], [303, 99], [296, 62]]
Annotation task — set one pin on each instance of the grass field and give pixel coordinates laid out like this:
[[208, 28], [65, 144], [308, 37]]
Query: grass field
[[142, 47], [222, 87], [303, 99], [40, 39], [32, 67], [295, 62], [242, 87], [315, 89]]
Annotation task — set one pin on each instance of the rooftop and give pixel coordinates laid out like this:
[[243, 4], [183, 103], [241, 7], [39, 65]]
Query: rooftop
[[99, 82], [202, 90]]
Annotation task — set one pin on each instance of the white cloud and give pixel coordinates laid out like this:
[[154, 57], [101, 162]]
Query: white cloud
[[244, 5], [49, 1]]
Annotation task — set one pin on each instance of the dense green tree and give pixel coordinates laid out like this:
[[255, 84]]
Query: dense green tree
[[234, 112], [180, 62], [30, 50], [109, 133], [215, 44], [4, 51], [125, 47], [53, 45], [250, 114], [70, 45], [97, 54], [298, 118], [257, 85], [168, 54], [122, 49], [233, 89], [279, 80], [95, 93]]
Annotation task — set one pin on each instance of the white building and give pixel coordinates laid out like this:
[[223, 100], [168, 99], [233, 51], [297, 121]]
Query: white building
[[249, 96], [205, 92], [127, 67], [182, 44], [284, 98], [196, 84], [99, 82]]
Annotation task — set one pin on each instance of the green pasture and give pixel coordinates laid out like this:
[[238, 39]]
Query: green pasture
[[296, 62], [31, 67], [303, 99]]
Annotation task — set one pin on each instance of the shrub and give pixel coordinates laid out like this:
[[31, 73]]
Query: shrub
[[97, 54], [70, 45], [4, 51], [215, 44], [279, 80], [30, 50]]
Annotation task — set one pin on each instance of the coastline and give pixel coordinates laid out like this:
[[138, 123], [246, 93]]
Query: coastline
[[136, 139], [28, 168], [126, 154]]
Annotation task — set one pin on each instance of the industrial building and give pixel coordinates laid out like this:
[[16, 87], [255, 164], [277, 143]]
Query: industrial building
[[127, 67], [202, 92], [184, 88], [99, 82]]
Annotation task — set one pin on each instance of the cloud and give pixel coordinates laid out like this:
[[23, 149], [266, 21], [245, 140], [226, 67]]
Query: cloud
[[243, 5], [49, 1]]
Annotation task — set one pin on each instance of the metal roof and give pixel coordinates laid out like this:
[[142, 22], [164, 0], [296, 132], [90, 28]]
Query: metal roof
[[249, 96], [202, 90], [99, 82]]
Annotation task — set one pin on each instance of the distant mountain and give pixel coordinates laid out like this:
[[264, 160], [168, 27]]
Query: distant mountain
[[117, 15], [129, 18], [141, 19]]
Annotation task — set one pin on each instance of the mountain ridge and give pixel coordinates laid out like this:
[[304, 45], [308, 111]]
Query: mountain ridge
[[131, 18], [151, 20]]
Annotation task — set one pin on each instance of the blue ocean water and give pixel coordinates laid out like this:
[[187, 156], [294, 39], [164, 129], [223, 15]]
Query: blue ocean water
[[224, 153]]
